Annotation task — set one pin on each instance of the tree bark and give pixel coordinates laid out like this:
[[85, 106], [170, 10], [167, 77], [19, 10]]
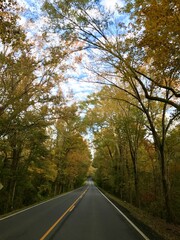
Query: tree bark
[[165, 185]]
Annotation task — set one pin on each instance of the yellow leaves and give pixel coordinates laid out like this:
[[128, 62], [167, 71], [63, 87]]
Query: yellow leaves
[[51, 170], [77, 159], [91, 171], [159, 39], [36, 170], [44, 109], [48, 169], [71, 151], [160, 22]]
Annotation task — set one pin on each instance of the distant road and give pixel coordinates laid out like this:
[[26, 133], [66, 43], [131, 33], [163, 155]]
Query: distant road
[[83, 214]]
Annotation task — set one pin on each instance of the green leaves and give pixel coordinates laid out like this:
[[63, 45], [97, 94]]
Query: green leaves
[[31, 101], [72, 155]]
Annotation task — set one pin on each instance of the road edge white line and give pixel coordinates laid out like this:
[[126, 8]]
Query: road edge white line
[[36, 205], [129, 221]]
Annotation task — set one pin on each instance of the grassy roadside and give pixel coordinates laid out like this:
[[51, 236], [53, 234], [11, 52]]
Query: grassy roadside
[[161, 229]]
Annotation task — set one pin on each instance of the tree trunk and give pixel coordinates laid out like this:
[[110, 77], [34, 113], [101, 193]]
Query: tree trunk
[[13, 194], [165, 185], [135, 173]]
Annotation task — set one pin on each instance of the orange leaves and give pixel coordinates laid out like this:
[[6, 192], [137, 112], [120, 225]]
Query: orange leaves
[[78, 59]]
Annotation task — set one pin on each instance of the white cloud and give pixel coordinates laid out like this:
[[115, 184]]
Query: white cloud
[[111, 4], [33, 21], [79, 89]]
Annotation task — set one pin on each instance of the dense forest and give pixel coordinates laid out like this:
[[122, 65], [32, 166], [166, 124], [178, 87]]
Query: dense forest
[[42, 151], [131, 52]]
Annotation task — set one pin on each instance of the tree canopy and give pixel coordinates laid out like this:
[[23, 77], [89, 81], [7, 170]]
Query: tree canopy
[[132, 52]]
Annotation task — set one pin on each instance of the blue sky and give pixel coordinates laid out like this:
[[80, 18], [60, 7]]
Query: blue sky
[[33, 21]]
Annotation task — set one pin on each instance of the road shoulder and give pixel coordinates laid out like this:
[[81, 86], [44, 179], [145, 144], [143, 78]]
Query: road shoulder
[[154, 228]]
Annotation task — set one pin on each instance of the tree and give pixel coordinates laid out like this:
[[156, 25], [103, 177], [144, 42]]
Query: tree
[[100, 31], [71, 154], [28, 107], [117, 127], [124, 61]]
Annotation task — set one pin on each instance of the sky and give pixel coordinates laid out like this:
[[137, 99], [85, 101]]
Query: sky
[[33, 20]]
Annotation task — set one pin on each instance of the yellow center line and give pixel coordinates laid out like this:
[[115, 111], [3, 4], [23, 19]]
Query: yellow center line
[[63, 215]]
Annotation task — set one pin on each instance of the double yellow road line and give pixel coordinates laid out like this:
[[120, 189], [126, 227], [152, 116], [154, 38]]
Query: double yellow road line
[[63, 215]]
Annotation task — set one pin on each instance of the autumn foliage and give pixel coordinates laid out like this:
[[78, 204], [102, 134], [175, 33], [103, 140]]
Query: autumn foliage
[[133, 121]]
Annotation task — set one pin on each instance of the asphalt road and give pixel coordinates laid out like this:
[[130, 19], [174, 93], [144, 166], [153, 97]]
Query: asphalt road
[[84, 214]]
